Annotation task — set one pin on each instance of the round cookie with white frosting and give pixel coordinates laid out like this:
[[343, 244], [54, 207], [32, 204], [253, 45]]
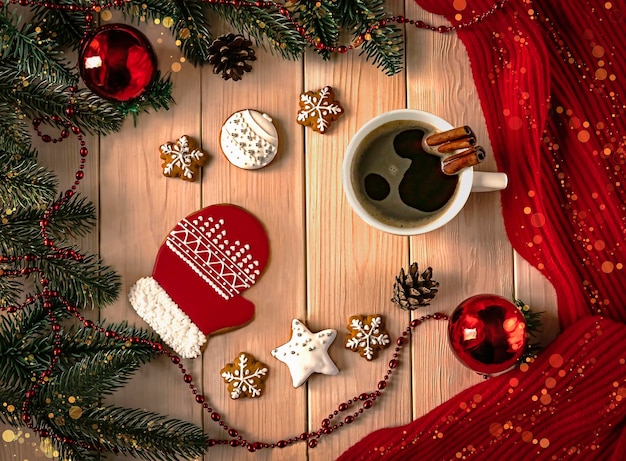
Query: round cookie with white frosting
[[249, 139]]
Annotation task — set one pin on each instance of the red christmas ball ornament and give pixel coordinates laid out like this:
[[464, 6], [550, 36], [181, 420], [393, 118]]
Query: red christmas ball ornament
[[117, 62], [487, 333]]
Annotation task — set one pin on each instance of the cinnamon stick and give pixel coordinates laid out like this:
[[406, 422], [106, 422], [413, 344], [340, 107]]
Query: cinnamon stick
[[453, 164], [449, 135], [461, 143]]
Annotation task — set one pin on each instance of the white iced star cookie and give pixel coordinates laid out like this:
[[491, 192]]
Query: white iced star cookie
[[307, 353]]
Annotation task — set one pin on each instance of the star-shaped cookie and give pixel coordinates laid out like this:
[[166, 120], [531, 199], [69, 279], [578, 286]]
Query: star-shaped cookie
[[307, 353]]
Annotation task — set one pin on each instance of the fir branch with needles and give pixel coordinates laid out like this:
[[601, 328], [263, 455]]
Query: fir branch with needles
[[319, 20], [265, 26], [384, 45]]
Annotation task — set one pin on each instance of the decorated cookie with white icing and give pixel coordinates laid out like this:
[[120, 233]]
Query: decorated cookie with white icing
[[204, 265], [307, 353], [249, 139]]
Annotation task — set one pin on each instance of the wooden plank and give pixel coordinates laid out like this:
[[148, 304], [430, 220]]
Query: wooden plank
[[350, 265], [139, 206], [275, 195], [536, 291], [471, 254]]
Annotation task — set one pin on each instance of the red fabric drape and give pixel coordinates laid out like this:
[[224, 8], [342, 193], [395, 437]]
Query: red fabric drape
[[551, 76], [565, 405]]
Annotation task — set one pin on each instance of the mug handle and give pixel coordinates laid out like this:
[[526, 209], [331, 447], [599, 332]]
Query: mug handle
[[486, 181]]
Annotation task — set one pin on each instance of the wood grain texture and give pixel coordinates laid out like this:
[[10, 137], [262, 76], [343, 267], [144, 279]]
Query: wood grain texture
[[326, 264]]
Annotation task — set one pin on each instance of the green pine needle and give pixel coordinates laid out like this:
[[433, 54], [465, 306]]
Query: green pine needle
[[264, 26]]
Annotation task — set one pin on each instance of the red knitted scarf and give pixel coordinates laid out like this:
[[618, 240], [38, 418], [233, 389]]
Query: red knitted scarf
[[551, 79]]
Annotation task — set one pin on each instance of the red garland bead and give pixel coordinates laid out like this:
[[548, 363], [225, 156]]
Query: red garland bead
[[368, 404], [312, 443], [215, 416], [281, 444]]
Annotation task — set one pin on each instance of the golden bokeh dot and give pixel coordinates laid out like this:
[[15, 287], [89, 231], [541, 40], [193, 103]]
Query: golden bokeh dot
[[8, 435], [527, 436], [157, 21], [168, 22], [527, 210], [71, 399], [184, 33], [556, 360], [550, 383], [75, 412], [607, 267], [513, 382], [176, 67], [523, 367], [538, 220], [544, 443], [546, 399], [496, 429], [601, 74], [459, 5], [458, 17], [597, 51], [537, 239], [106, 15], [531, 193], [583, 136]]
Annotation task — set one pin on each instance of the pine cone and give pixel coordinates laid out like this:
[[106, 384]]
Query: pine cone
[[414, 290], [229, 53]]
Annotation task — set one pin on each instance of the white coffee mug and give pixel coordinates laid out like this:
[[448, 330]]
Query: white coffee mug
[[371, 152]]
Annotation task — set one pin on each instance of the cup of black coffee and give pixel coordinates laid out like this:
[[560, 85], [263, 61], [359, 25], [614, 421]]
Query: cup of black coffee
[[394, 181]]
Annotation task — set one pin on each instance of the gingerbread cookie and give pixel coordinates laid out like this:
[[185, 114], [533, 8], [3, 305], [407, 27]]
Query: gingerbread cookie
[[205, 263], [249, 139], [182, 159], [307, 353], [367, 335], [318, 109], [245, 376]]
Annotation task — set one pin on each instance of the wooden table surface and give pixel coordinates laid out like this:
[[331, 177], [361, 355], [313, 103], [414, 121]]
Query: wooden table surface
[[326, 264]]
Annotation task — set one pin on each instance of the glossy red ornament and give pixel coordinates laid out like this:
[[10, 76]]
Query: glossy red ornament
[[117, 62], [487, 333]]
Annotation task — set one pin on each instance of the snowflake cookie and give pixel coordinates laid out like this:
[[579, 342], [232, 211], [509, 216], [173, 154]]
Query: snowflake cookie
[[245, 376], [307, 353], [182, 159], [367, 335], [318, 109]]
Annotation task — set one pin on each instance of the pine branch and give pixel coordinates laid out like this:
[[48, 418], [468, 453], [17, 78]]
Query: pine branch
[[23, 353], [88, 285], [157, 96], [20, 232], [142, 434], [383, 47], [67, 26], [23, 182], [10, 290], [14, 136], [191, 27], [264, 25], [92, 377], [33, 53], [319, 19]]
